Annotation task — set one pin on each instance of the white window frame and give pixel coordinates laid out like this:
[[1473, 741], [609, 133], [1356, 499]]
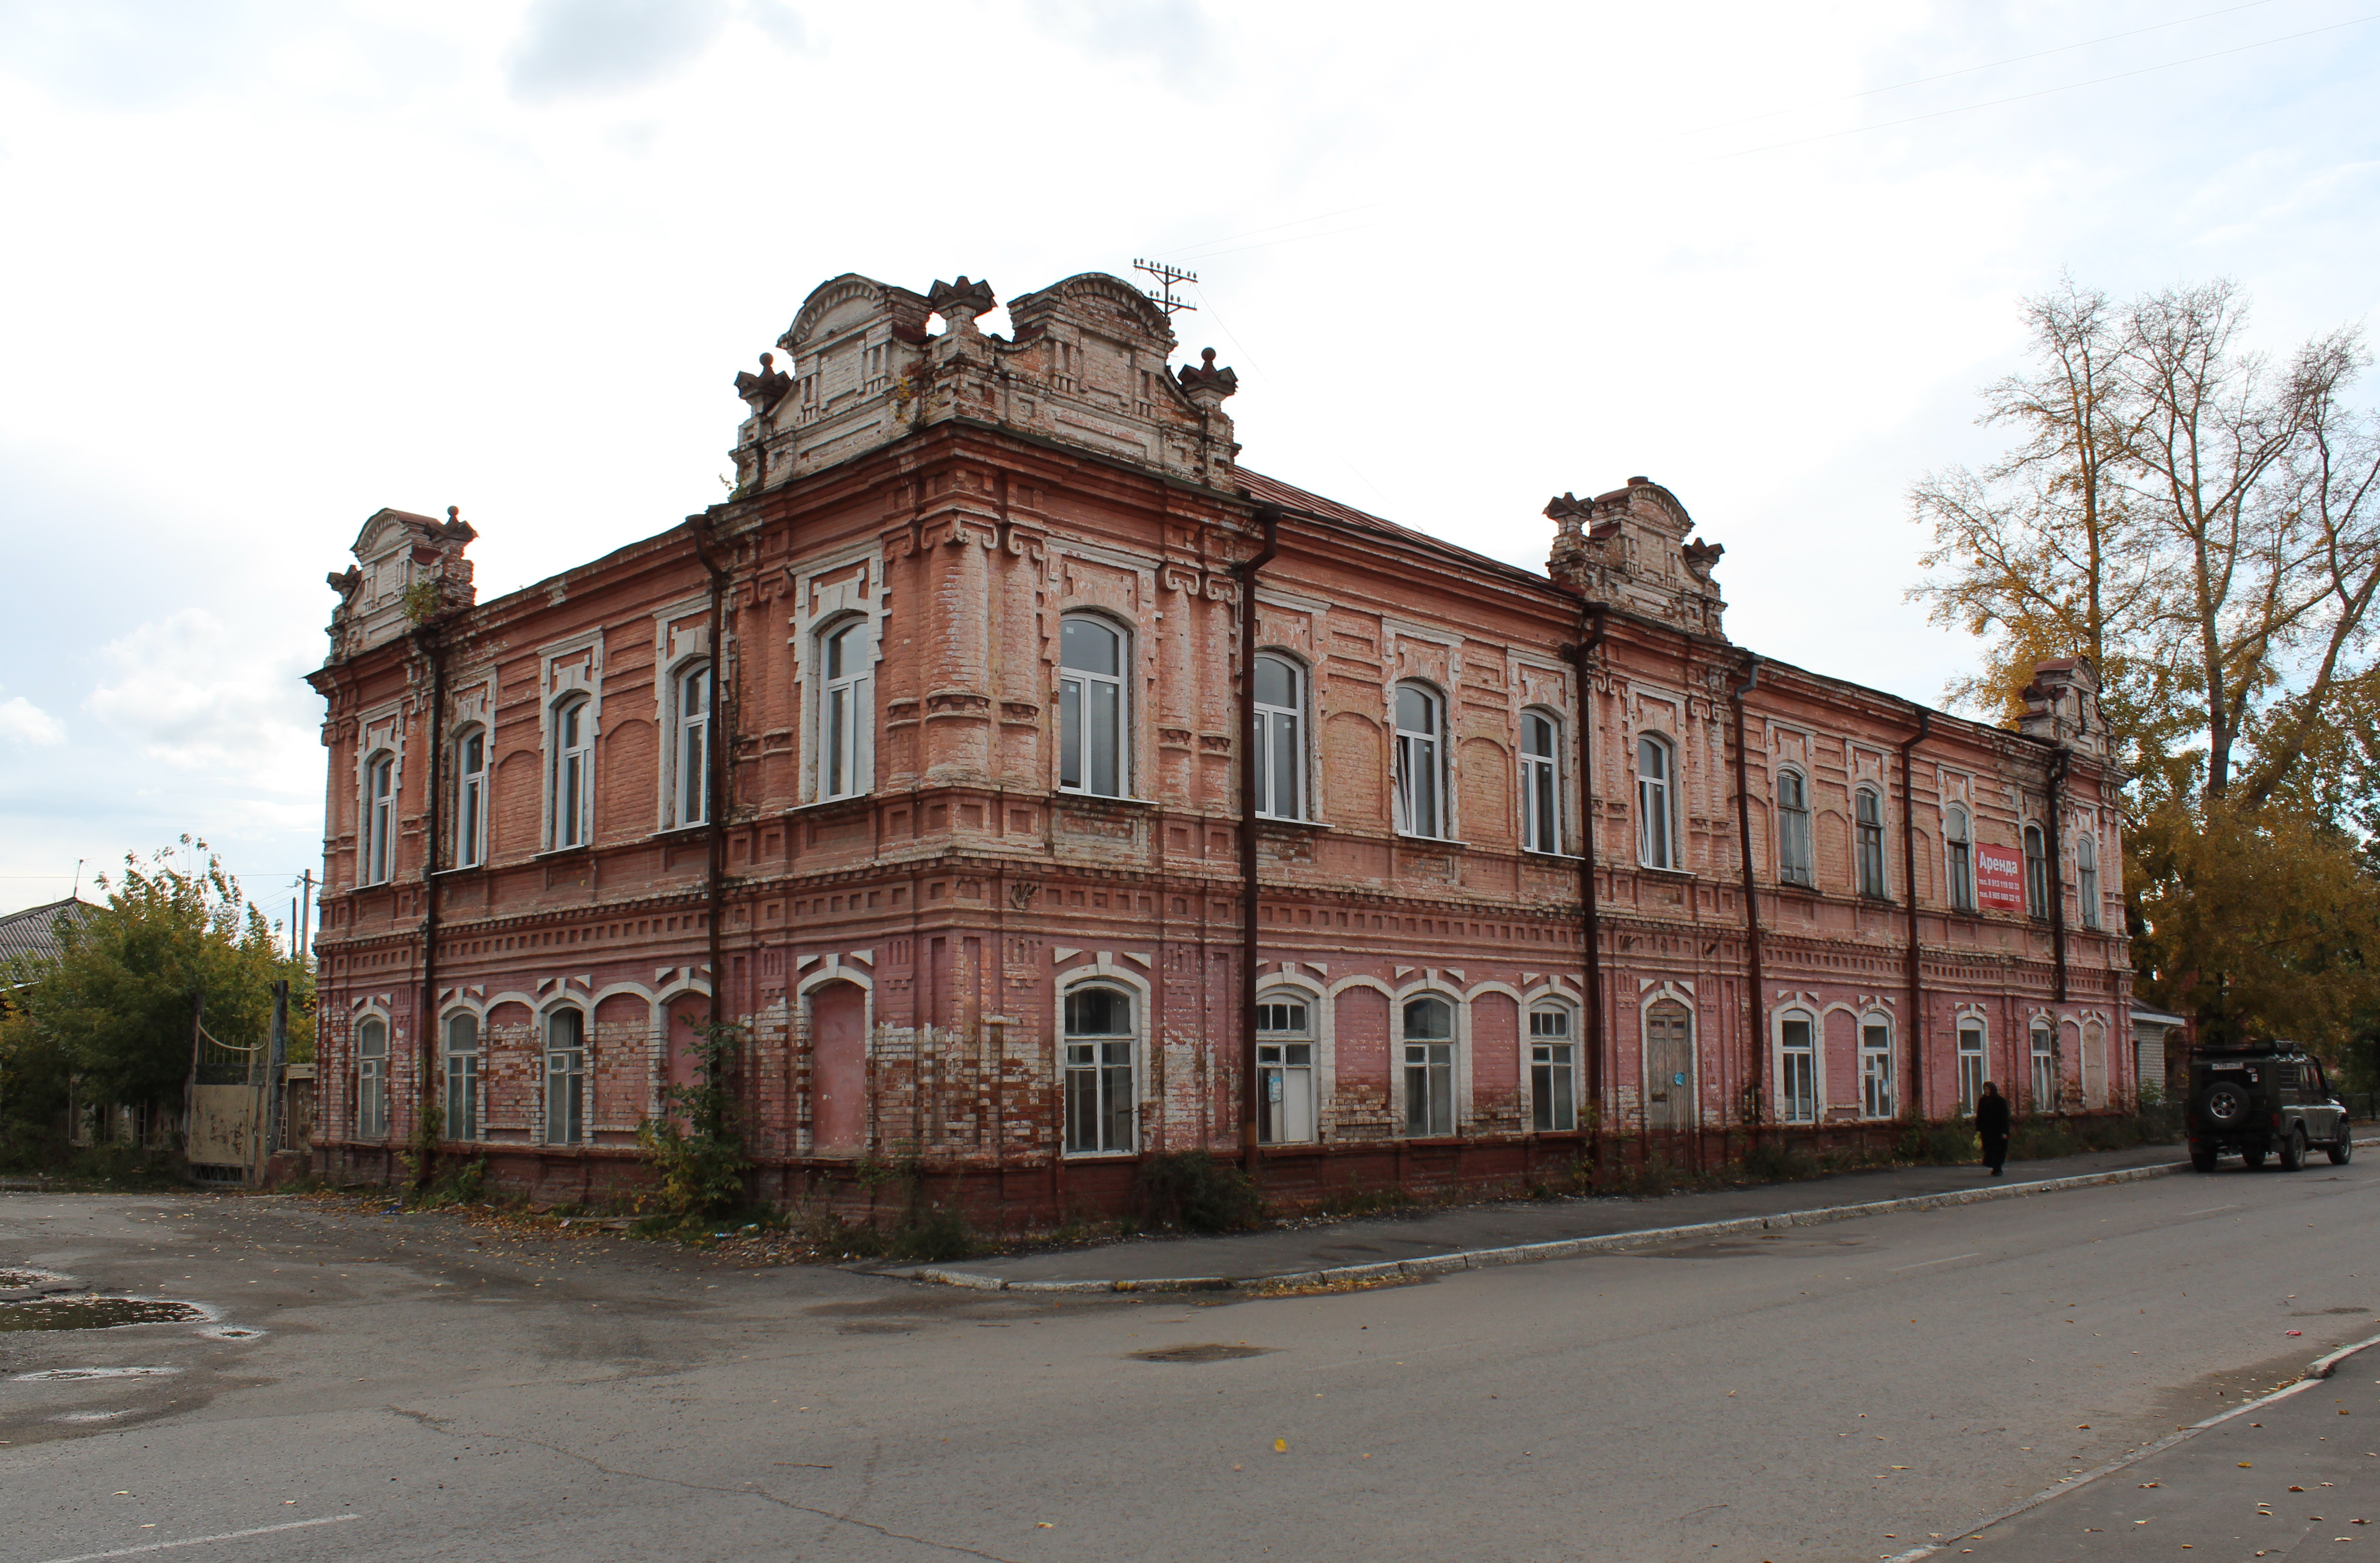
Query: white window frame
[[1281, 734], [564, 1121], [1808, 1103], [2041, 1041], [1959, 858], [1796, 858], [1553, 1043], [2086, 879], [570, 774], [1974, 1063], [471, 797], [1421, 1066], [377, 841], [1287, 1048], [1657, 804], [1104, 1067], [373, 1053], [459, 1095], [1079, 687], [692, 744], [1541, 783], [1879, 1099], [1419, 753], [1868, 845], [846, 652]]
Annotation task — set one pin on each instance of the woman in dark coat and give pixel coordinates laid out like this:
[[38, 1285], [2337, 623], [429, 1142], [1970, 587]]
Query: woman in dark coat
[[1992, 1124]]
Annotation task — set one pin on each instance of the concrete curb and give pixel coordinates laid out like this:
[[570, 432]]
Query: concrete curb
[[1543, 1252]]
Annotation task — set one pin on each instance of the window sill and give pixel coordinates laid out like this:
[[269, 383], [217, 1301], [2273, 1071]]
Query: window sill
[[1266, 821], [1553, 857], [1666, 873], [1067, 795], [843, 802], [1097, 1155], [460, 868], [1433, 841], [676, 834], [552, 854]]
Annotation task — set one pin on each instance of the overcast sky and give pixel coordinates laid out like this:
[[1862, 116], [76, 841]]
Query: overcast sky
[[274, 265]]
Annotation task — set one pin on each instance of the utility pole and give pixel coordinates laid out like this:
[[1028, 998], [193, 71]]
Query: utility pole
[[1168, 276], [305, 914]]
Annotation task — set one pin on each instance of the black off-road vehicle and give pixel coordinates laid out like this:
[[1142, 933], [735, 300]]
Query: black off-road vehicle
[[2264, 1098]]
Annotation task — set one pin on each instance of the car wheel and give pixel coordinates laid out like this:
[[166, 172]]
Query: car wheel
[[2204, 1162], [2343, 1152], [2253, 1156], [2293, 1148]]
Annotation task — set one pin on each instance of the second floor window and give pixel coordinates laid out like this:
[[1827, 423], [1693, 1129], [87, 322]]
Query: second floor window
[[571, 783], [2086, 879], [1540, 782], [2036, 872], [471, 798], [1420, 772], [1094, 712], [1868, 805], [1958, 848], [1795, 863], [690, 803], [846, 724], [380, 819], [1657, 820], [1280, 739]]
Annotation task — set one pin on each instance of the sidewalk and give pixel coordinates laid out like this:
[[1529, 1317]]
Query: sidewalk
[[1480, 1235]]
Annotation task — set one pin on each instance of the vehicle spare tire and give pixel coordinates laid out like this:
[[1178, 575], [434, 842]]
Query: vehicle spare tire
[[2224, 1104]]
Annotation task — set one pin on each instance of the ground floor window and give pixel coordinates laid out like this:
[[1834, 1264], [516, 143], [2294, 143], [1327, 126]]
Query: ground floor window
[[1970, 1066], [1553, 1069], [1100, 1104], [1876, 1068], [1797, 1070], [462, 1077], [2044, 1068], [1284, 1070], [371, 1079], [566, 1077], [1429, 1067]]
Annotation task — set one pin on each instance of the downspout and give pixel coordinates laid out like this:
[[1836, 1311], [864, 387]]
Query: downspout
[[715, 863], [1756, 1041], [1916, 1022], [1593, 622], [2053, 849], [1249, 889], [426, 641]]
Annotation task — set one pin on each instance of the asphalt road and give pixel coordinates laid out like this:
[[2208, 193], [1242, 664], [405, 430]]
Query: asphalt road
[[1837, 1392]]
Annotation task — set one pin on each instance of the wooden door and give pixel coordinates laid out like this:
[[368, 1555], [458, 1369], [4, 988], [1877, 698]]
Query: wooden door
[[838, 1068], [1670, 1088]]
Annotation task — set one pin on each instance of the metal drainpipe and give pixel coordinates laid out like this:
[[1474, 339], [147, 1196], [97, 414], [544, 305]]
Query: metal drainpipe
[[426, 640], [1249, 889], [1916, 1022], [1756, 1069], [1593, 622], [716, 856], [2053, 849]]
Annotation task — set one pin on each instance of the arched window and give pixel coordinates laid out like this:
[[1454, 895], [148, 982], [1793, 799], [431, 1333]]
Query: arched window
[[566, 1077], [1876, 1066], [1795, 862], [1971, 1067], [570, 784], [1957, 846], [1868, 811], [846, 714], [462, 1076], [1280, 738], [2045, 1067], [471, 798], [1284, 1068], [2086, 879], [379, 845], [1101, 1105], [1553, 1069], [371, 1078], [1541, 821], [1420, 768], [1094, 707], [1430, 1066], [2036, 872], [690, 715], [1797, 1067], [1657, 820]]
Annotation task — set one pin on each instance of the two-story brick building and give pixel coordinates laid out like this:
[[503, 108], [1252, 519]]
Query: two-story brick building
[[1043, 789]]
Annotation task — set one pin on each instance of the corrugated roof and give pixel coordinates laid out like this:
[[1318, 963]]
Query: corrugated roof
[[33, 932], [1289, 496]]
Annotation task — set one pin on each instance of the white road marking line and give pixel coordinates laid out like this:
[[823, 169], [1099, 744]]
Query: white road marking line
[[201, 1541], [2210, 1210], [1923, 1263]]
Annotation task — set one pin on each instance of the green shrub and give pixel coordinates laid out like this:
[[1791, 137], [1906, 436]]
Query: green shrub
[[1778, 1161], [1193, 1192], [936, 1233], [693, 1147]]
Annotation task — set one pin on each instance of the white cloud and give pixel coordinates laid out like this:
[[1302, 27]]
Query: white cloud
[[570, 48], [197, 695], [25, 723]]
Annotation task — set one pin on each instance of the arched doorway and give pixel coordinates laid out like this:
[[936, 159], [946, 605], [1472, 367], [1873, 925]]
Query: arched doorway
[[838, 1068]]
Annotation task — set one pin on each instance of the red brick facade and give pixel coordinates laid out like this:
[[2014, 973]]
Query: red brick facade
[[940, 812]]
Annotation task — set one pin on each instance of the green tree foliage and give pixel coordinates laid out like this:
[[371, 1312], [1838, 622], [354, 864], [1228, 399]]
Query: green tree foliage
[[110, 1014], [696, 1146]]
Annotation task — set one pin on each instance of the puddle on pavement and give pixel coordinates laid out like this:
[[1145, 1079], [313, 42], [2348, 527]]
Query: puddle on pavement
[[49, 1376], [95, 1312], [1212, 1352]]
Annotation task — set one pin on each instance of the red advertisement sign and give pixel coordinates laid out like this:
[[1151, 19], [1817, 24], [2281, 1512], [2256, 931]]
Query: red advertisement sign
[[1999, 878]]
